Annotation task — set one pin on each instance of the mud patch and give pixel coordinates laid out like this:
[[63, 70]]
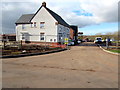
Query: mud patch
[[55, 67], [88, 82], [90, 70]]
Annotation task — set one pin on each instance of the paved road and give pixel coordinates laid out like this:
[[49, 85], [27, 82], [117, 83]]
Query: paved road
[[85, 66]]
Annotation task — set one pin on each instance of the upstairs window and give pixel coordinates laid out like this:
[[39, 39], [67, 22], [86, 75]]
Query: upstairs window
[[31, 24], [23, 26], [60, 29], [42, 24], [35, 24]]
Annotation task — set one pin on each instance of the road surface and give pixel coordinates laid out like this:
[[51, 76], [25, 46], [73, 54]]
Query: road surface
[[84, 66]]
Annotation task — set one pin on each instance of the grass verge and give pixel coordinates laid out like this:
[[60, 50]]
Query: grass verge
[[115, 51]]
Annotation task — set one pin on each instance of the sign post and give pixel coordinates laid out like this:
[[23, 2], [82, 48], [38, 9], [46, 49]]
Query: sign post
[[66, 42]]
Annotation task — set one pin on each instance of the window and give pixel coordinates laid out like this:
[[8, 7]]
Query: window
[[42, 24], [23, 26], [35, 24], [31, 24], [60, 28], [42, 36], [68, 35], [60, 36], [54, 40], [51, 40], [23, 36]]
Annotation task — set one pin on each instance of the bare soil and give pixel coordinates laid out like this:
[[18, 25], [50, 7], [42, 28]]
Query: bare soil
[[26, 49]]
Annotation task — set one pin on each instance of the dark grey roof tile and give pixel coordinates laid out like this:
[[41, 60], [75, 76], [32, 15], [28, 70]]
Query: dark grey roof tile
[[57, 17], [25, 19], [28, 17]]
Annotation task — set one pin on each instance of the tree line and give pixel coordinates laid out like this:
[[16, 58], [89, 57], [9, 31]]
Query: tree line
[[112, 35]]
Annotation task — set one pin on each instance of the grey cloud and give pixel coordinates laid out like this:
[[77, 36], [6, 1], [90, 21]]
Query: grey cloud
[[10, 16], [11, 11]]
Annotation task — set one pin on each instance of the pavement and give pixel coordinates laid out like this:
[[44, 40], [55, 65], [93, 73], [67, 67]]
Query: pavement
[[83, 66]]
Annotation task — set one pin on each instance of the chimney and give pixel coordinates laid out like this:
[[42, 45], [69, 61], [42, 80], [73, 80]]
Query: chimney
[[44, 4]]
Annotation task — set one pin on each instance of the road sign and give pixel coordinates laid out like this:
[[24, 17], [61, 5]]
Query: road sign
[[66, 40]]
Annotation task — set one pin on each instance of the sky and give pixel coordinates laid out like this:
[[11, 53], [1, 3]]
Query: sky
[[91, 16]]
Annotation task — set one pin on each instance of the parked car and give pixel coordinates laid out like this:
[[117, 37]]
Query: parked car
[[79, 41], [71, 43], [98, 40]]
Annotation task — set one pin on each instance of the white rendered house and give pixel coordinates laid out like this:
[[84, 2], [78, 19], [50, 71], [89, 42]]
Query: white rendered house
[[43, 26]]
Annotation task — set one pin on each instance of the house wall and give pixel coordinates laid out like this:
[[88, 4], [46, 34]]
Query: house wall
[[49, 29], [64, 31], [71, 33], [75, 28]]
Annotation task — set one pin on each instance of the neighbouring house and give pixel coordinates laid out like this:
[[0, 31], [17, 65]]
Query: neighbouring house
[[80, 33], [43, 26], [74, 33], [71, 34]]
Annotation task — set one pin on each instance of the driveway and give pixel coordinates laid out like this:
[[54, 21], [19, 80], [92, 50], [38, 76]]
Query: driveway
[[84, 66]]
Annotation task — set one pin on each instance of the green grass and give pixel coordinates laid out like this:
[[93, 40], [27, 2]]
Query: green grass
[[115, 41], [116, 51]]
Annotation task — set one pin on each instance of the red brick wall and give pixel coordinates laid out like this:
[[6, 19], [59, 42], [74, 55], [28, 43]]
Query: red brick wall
[[71, 33]]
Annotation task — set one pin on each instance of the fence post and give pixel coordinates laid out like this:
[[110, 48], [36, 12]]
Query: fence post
[[117, 43], [45, 43], [4, 44], [21, 44]]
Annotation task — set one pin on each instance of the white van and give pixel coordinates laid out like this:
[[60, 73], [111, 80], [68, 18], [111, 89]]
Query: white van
[[98, 40]]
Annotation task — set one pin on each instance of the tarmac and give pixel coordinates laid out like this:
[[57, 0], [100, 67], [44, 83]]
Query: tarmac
[[84, 66]]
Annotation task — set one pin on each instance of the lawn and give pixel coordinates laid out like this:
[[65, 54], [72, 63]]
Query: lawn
[[116, 51]]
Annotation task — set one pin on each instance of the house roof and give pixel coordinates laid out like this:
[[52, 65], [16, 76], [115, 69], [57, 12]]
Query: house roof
[[26, 19], [75, 28], [57, 17]]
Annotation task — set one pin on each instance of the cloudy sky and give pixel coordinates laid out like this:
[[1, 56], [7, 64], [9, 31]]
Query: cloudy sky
[[91, 16]]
